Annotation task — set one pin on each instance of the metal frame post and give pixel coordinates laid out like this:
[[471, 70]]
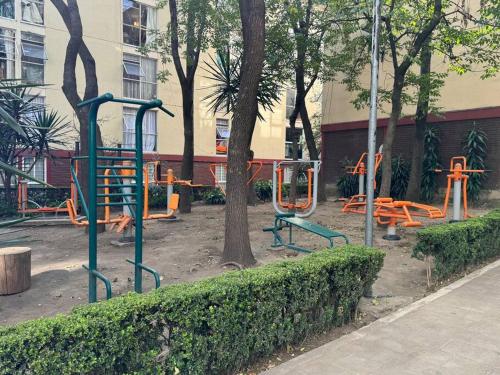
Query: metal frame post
[[92, 199], [372, 124]]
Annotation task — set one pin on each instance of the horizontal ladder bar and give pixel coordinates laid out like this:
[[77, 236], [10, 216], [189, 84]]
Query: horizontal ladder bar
[[102, 186], [116, 149], [116, 167], [116, 204], [116, 158], [115, 176], [115, 195]]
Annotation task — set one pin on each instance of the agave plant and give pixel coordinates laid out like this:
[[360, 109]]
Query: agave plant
[[224, 71], [475, 149]]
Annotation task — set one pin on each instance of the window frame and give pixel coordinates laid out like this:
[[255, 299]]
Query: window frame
[[132, 133], [135, 59], [24, 40], [13, 12], [218, 138], [32, 173], [142, 28], [42, 14], [12, 39]]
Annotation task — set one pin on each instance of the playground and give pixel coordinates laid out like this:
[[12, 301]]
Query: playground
[[190, 249]]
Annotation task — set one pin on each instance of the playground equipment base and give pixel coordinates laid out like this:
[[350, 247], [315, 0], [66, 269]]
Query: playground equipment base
[[391, 237]]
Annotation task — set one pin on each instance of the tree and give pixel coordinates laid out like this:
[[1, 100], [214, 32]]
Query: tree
[[237, 246], [76, 47], [315, 28], [189, 29]]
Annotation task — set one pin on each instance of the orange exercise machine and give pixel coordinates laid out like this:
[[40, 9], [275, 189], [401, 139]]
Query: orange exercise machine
[[360, 170], [303, 208], [221, 184], [391, 212]]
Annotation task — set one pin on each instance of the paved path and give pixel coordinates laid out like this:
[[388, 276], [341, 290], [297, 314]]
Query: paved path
[[453, 331]]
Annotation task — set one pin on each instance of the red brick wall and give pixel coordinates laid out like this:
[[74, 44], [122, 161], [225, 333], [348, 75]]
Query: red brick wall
[[351, 143], [58, 172]]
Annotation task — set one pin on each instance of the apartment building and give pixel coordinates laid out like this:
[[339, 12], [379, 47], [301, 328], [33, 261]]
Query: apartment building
[[33, 40]]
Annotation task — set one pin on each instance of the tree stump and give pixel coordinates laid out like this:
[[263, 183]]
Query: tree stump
[[15, 270]]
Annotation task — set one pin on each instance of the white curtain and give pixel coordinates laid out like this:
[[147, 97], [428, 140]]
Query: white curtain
[[151, 24], [149, 80], [31, 13], [149, 131], [10, 53], [129, 127]]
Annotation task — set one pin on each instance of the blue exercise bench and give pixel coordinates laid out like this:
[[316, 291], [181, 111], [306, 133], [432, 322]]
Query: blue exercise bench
[[288, 220]]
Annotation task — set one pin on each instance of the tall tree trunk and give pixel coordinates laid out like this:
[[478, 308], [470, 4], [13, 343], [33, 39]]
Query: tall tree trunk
[[237, 240], [76, 47], [390, 133], [312, 149], [188, 153], [413, 191]]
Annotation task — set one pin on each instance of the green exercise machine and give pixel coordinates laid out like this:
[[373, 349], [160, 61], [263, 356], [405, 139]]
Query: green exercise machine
[[298, 210], [98, 160]]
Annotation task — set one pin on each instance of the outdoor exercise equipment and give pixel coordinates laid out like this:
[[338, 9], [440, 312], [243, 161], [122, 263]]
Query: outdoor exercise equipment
[[393, 212], [360, 170], [458, 175], [97, 161], [169, 180], [301, 209], [23, 202], [221, 184]]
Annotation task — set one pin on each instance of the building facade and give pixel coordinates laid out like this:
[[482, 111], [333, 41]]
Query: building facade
[[33, 40]]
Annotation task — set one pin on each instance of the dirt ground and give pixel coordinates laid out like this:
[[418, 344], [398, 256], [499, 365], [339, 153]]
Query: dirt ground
[[190, 249]]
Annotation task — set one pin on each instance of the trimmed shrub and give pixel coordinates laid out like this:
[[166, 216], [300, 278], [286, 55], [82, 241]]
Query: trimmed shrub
[[213, 326], [458, 245]]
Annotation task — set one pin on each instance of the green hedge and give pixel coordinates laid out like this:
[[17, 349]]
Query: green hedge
[[459, 245], [213, 326]]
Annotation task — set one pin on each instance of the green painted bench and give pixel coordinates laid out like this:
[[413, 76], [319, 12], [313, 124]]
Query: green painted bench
[[289, 221]]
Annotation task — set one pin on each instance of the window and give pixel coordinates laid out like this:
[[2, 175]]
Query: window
[[222, 136], [37, 171], [137, 20], [139, 77], [38, 103], [7, 9], [290, 102], [32, 11], [33, 57], [220, 175], [148, 129], [7, 54], [289, 143]]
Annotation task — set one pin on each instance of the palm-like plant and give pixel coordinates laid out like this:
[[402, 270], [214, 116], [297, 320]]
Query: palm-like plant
[[476, 150], [224, 71], [428, 183]]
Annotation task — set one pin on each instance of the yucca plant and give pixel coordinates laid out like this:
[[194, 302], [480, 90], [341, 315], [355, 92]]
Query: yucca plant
[[475, 149], [428, 184], [224, 71]]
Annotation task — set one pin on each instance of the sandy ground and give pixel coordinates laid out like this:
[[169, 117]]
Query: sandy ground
[[190, 249]]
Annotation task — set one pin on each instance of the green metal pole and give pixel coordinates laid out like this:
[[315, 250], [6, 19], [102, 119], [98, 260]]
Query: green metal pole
[[139, 196], [92, 199]]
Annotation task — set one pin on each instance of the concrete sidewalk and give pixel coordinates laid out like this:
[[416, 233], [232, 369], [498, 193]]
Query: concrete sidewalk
[[453, 331]]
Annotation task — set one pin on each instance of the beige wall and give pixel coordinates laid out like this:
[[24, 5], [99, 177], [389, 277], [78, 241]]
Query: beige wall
[[102, 25]]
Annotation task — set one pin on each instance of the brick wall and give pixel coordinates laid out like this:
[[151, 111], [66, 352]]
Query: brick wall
[[351, 143], [58, 172]]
